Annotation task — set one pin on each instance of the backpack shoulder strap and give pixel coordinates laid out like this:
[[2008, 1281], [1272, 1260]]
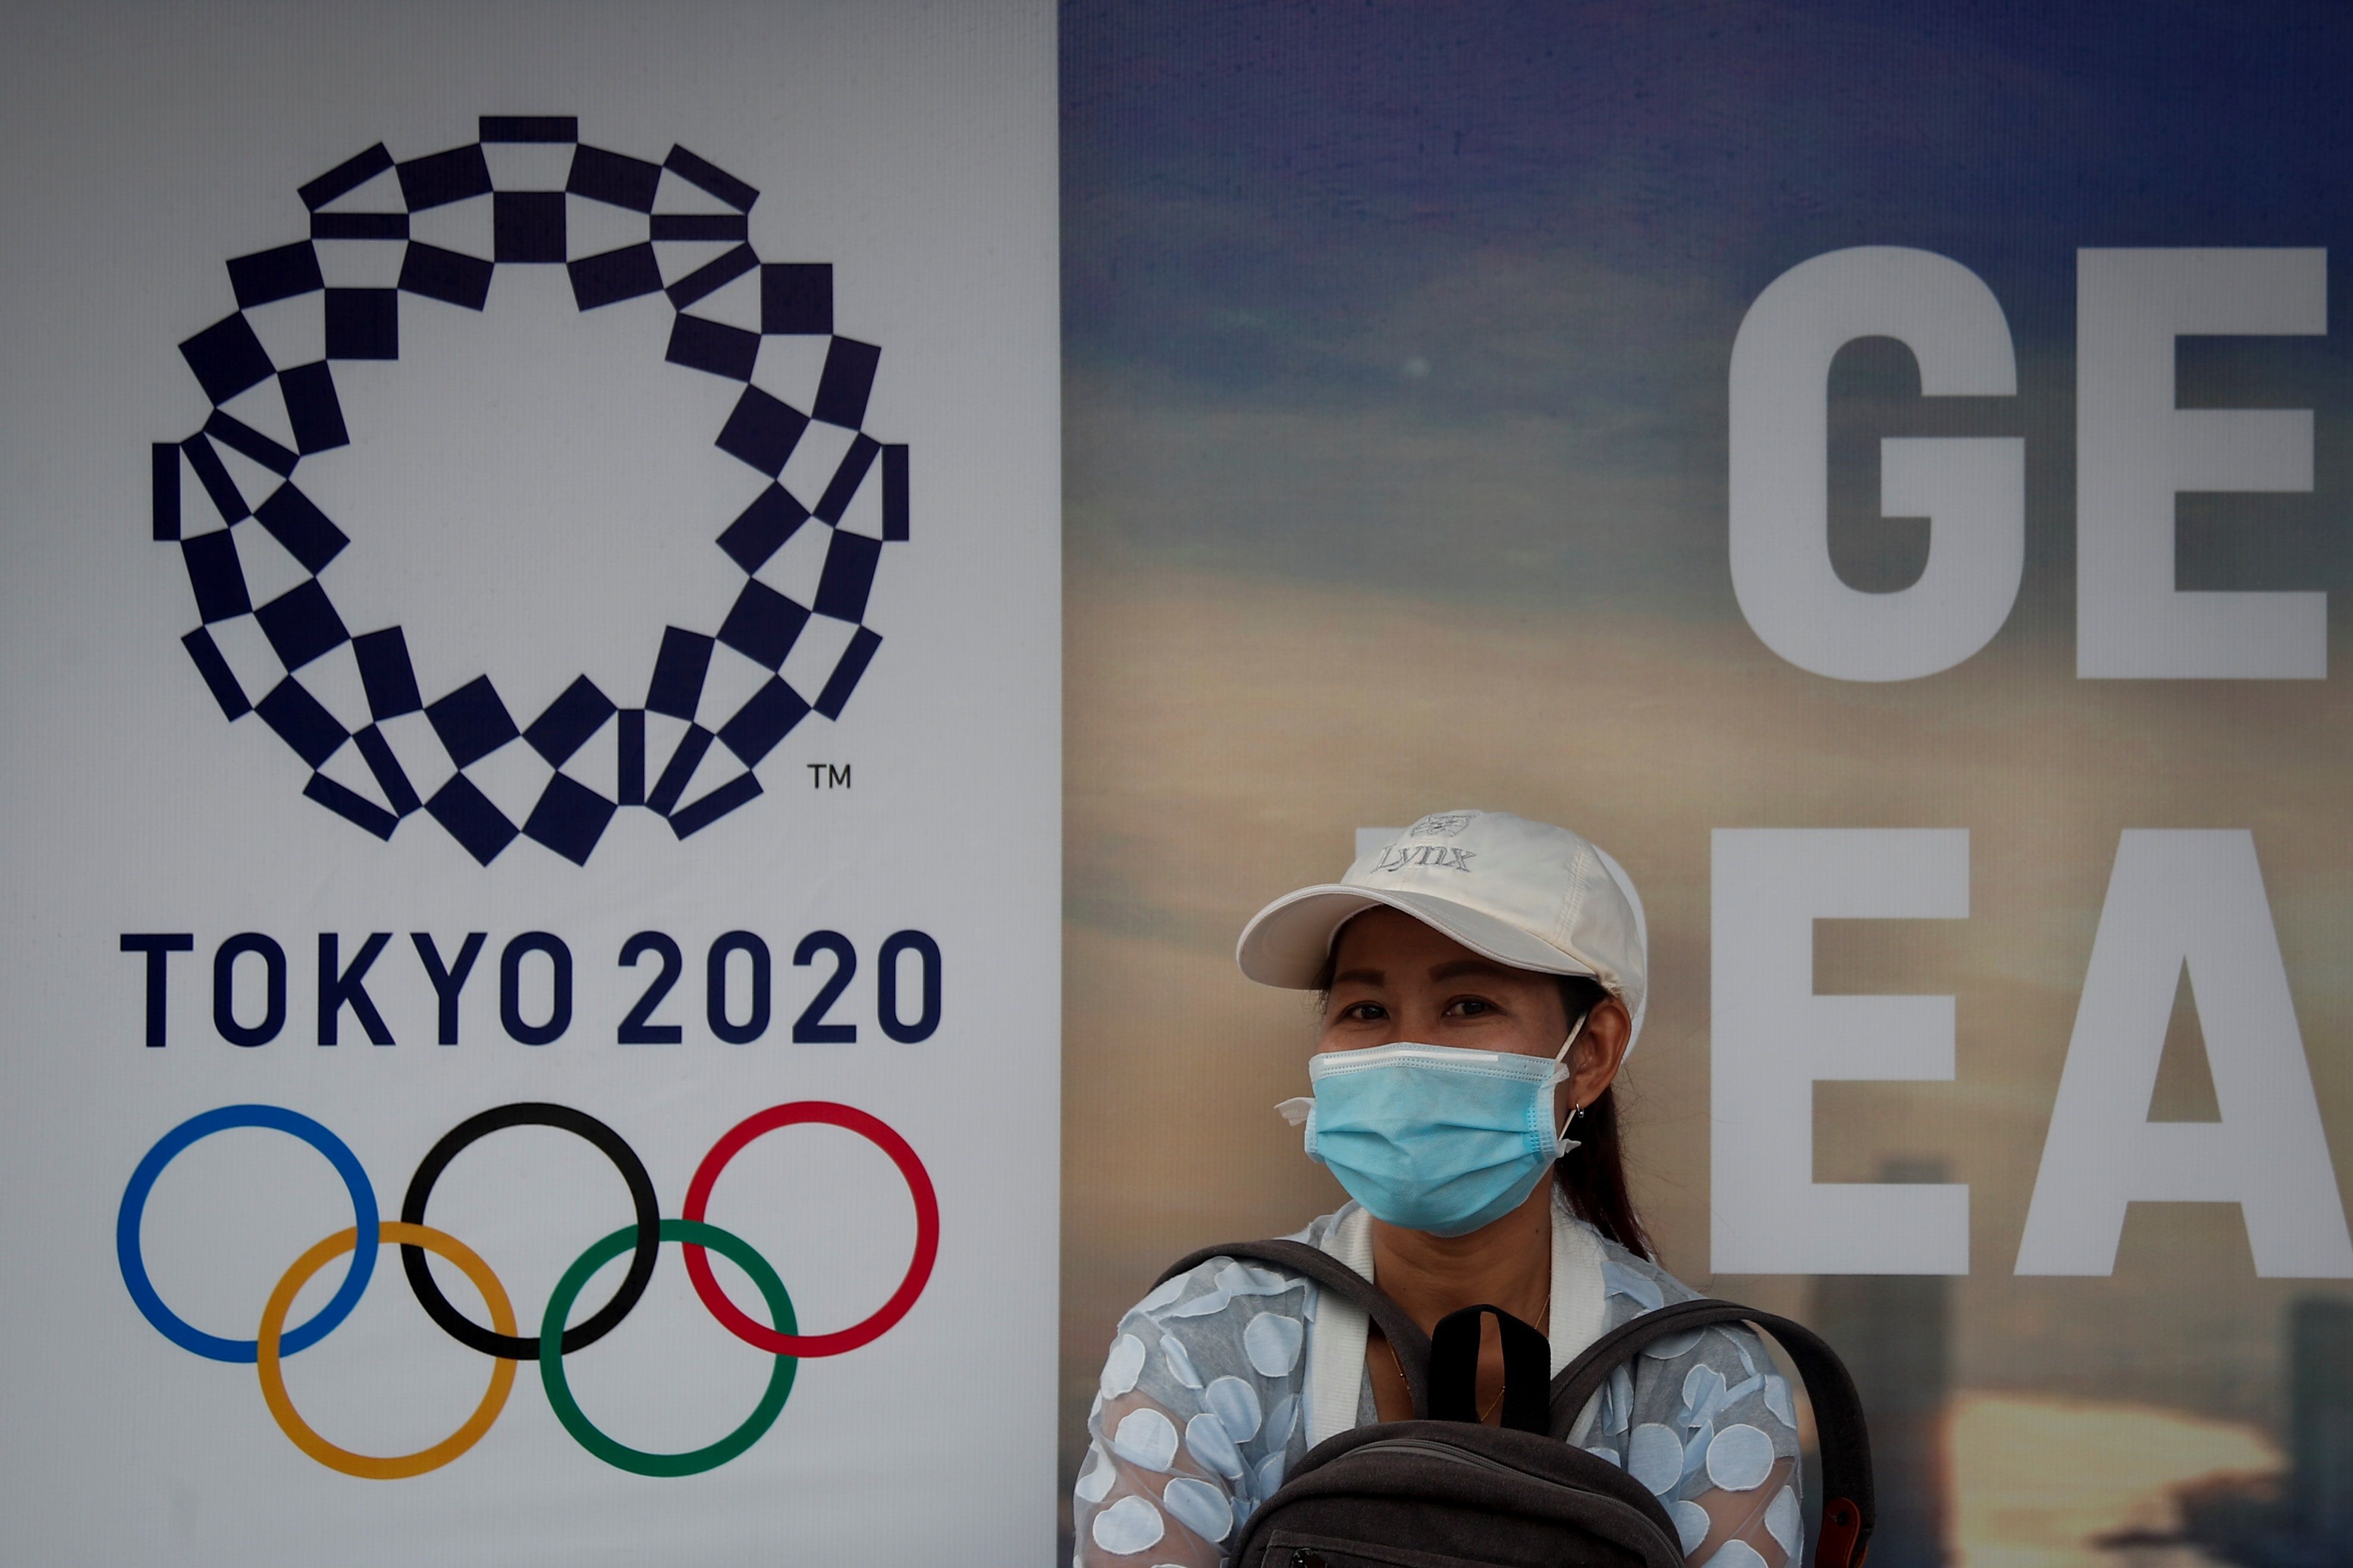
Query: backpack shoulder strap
[[1849, 1512], [1405, 1335]]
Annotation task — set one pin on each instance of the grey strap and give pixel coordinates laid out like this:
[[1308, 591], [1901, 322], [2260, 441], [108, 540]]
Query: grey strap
[[1405, 1335], [1849, 1512]]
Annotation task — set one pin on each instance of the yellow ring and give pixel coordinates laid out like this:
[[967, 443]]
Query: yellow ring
[[368, 1467]]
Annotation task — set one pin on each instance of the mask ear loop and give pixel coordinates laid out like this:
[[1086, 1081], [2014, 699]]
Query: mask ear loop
[[1562, 1141]]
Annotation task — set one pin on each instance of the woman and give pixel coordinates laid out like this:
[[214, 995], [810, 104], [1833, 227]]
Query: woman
[[1484, 977]]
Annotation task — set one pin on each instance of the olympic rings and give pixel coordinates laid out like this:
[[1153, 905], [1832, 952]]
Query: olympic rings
[[781, 1342], [134, 1263], [399, 1467], [642, 1238], [529, 1114], [637, 1460]]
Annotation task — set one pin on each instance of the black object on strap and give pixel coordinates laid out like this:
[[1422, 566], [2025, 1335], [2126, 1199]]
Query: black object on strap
[[1405, 1335], [1454, 1370], [1849, 1512]]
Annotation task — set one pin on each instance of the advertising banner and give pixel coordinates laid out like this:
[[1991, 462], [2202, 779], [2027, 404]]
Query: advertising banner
[[532, 604], [1880, 471]]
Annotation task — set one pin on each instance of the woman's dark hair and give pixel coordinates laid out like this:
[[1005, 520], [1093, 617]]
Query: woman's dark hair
[[1592, 1176]]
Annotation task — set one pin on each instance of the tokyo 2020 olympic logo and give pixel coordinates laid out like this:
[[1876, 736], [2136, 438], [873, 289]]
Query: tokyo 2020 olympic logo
[[557, 1336], [687, 208]]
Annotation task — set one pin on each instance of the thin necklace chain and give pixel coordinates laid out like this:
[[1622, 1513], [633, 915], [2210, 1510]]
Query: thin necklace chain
[[1491, 1404]]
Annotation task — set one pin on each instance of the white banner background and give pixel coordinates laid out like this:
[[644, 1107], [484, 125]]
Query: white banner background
[[533, 492]]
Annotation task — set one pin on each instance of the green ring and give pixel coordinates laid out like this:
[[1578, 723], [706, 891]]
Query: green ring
[[637, 1460]]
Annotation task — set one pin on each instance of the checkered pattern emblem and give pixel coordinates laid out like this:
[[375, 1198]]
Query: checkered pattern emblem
[[396, 751]]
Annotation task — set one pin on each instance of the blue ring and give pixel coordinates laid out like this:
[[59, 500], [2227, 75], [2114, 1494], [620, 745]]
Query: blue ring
[[170, 1324]]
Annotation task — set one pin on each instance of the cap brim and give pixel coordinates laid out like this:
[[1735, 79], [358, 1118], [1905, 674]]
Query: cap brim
[[1287, 942]]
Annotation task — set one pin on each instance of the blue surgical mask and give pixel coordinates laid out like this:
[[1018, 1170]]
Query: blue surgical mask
[[1435, 1138]]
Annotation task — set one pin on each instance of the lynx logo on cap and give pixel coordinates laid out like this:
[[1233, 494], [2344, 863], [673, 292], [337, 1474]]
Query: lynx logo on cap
[[1398, 857]]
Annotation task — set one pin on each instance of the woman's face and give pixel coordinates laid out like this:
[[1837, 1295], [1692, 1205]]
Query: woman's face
[[1393, 978]]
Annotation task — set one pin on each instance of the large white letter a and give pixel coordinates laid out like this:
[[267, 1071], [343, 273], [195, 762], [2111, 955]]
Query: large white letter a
[[2194, 898]]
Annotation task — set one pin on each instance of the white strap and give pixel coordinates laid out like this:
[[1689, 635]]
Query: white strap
[[1335, 1352], [1580, 1307]]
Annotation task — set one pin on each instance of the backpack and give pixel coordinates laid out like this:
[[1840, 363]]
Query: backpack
[[1444, 1491]]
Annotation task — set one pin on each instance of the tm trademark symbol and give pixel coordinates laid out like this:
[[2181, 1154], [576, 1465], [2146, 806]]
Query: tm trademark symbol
[[827, 775]]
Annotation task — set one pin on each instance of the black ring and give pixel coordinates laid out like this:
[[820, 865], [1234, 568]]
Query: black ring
[[532, 1114]]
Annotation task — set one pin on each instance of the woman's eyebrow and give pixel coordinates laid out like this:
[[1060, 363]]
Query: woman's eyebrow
[[1463, 966], [1361, 977]]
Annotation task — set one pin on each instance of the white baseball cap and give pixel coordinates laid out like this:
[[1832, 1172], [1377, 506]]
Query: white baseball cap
[[1523, 893]]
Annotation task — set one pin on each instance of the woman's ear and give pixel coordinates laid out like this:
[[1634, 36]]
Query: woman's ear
[[1600, 1047]]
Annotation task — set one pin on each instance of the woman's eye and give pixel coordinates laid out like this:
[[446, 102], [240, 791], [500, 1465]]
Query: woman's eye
[[1470, 1006], [1364, 1012]]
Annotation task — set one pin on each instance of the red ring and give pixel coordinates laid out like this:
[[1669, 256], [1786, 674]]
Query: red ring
[[918, 1268]]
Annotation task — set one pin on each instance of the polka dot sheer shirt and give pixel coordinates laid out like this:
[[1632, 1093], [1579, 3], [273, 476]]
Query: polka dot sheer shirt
[[1203, 1411]]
